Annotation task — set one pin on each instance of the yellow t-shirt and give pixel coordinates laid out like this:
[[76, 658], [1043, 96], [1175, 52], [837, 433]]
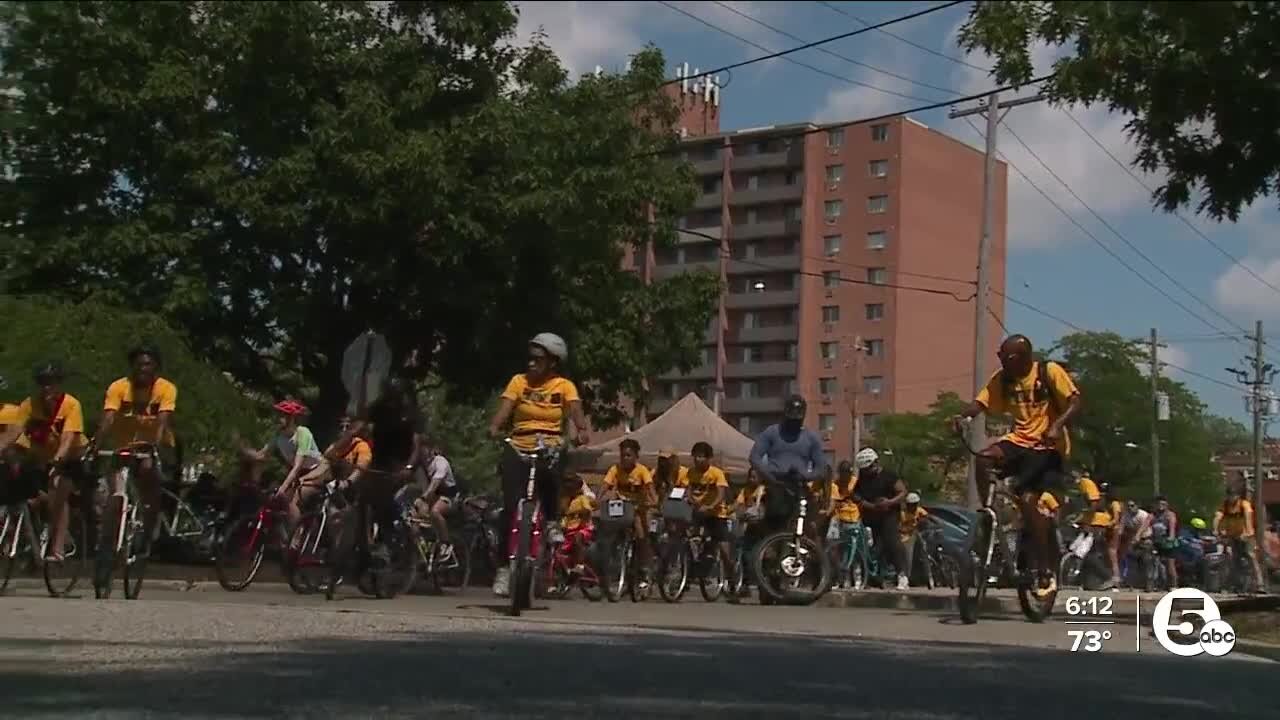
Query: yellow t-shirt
[[1031, 415], [908, 521], [747, 497], [702, 489], [138, 411], [539, 410], [1116, 512], [8, 415], [1235, 520], [1047, 504], [846, 510], [43, 435], [360, 454], [574, 507], [1089, 489], [631, 486]]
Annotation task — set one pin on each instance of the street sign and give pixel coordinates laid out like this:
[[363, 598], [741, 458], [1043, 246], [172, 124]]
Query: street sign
[[1162, 406], [365, 365]]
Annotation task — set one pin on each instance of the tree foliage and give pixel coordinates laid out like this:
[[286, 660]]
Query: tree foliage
[[275, 178], [91, 340], [924, 450], [1199, 80], [1118, 414]]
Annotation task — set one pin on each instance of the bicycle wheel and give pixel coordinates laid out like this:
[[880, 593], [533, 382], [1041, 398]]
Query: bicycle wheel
[[973, 570], [454, 570], [711, 580], [521, 567], [61, 578], [137, 551], [10, 542], [305, 568], [402, 570], [1069, 571], [617, 569], [239, 556], [791, 570], [673, 573]]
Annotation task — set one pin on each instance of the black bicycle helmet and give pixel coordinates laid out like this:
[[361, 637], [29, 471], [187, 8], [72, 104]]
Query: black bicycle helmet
[[48, 372], [144, 349], [795, 408]]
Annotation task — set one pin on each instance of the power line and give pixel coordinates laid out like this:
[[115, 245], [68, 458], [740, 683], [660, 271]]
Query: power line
[[793, 61], [748, 17], [1193, 373], [817, 43], [1098, 242], [899, 38], [1129, 171], [1117, 233]]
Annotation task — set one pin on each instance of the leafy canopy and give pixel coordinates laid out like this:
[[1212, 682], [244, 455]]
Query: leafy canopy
[[275, 178], [1199, 80]]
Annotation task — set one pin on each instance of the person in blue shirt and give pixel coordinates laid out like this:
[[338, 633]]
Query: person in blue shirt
[[788, 458]]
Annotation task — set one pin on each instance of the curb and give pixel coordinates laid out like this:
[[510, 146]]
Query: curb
[[1269, 651], [85, 585], [1007, 604]]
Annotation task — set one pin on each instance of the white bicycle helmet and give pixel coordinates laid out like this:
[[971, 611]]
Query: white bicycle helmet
[[913, 498], [553, 344], [865, 458]]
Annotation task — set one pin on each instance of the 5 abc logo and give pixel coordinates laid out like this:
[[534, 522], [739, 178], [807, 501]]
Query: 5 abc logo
[[1215, 636]]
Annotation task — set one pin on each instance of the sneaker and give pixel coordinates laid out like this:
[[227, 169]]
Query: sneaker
[[903, 584], [444, 552], [553, 532], [502, 582], [1047, 586], [1108, 584]]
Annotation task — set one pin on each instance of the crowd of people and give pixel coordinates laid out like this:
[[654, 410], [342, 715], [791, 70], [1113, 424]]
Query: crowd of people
[[384, 457]]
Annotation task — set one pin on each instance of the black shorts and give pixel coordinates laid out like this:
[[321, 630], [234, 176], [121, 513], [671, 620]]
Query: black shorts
[[1032, 470], [715, 528]]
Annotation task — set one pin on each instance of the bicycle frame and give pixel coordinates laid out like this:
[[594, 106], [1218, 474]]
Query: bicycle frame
[[128, 516], [534, 551]]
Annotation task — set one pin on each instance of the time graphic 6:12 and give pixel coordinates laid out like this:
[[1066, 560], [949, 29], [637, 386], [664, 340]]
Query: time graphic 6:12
[[1096, 605], [1088, 640]]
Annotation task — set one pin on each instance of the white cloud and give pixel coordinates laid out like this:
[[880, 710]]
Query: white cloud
[[583, 34], [1240, 291], [846, 102]]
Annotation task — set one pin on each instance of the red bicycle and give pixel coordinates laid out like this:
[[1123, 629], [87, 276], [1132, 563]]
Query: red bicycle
[[239, 556], [561, 577]]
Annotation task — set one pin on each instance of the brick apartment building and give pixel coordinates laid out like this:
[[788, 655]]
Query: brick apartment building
[[811, 228]]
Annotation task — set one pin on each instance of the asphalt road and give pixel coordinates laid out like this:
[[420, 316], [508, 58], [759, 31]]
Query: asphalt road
[[268, 653]]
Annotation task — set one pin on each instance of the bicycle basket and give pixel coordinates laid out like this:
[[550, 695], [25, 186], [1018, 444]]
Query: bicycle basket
[[675, 507], [614, 514]]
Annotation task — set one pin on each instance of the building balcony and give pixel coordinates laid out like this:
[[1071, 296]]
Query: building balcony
[[752, 300], [779, 333], [753, 405], [772, 228], [704, 234], [790, 157], [708, 201], [662, 272], [714, 166], [757, 265], [705, 371], [768, 369], [765, 195]]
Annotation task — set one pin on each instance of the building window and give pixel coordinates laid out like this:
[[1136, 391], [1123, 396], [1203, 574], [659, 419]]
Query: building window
[[748, 389], [833, 209], [830, 279], [753, 182], [756, 285], [830, 313], [875, 348], [831, 245], [792, 213], [877, 204], [827, 423], [871, 422], [835, 173], [673, 390], [875, 311], [790, 387], [829, 350], [753, 216], [835, 137], [792, 178], [711, 185], [744, 424], [752, 354], [792, 352], [879, 133], [827, 386], [873, 384], [709, 355], [878, 168], [877, 276], [877, 240], [750, 320]]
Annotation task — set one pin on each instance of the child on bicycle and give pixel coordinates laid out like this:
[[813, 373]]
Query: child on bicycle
[[847, 516], [709, 490], [576, 508], [631, 481]]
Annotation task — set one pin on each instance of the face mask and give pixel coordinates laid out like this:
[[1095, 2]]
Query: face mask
[[791, 425]]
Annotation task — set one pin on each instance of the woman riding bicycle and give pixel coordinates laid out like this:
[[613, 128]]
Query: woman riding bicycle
[[535, 404], [296, 447]]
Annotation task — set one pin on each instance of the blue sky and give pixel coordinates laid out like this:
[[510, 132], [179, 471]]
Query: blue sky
[[1053, 265]]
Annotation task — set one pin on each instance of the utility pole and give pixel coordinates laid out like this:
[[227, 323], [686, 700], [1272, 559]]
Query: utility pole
[[991, 108], [1155, 414], [855, 387], [1258, 402]]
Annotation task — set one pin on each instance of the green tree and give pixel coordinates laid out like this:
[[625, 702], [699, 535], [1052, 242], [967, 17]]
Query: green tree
[[1113, 431], [461, 430], [924, 450], [1227, 434], [275, 178], [1198, 80], [91, 340]]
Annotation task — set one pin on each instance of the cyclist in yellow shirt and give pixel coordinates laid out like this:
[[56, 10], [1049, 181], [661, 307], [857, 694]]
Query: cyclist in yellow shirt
[[631, 481], [909, 519], [1234, 523], [850, 532], [48, 431], [575, 516], [1097, 519], [708, 490], [138, 412]]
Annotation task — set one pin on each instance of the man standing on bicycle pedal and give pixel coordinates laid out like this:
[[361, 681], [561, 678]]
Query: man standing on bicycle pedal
[[1041, 398], [47, 431], [138, 412], [879, 494], [709, 493], [788, 458]]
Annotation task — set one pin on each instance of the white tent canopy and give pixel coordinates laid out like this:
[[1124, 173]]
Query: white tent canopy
[[683, 424]]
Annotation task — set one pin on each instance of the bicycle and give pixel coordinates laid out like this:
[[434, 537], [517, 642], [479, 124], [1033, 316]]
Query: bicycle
[[687, 551], [995, 527], [438, 569], [61, 578], [19, 540], [480, 537], [942, 567], [847, 552], [127, 528], [380, 582], [562, 576], [308, 549], [247, 539], [524, 539], [782, 560], [621, 564]]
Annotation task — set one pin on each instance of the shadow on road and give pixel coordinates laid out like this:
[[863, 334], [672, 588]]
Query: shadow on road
[[531, 672]]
